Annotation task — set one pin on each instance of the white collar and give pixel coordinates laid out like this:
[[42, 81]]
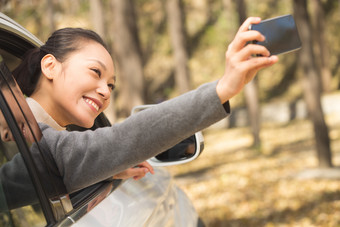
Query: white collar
[[41, 115]]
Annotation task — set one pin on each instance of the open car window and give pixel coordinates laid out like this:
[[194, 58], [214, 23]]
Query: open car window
[[21, 202], [22, 191], [14, 42]]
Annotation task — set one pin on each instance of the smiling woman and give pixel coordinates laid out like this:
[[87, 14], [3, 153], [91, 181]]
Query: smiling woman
[[71, 78], [78, 89], [63, 163], [69, 81], [68, 75]]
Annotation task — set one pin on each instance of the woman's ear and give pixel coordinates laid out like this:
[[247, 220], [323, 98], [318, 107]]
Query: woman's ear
[[49, 66]]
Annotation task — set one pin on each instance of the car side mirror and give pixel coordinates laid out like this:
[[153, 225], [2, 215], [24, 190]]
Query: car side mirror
[[183, 152]]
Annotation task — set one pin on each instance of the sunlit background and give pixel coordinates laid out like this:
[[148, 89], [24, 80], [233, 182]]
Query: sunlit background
[[276, 166]]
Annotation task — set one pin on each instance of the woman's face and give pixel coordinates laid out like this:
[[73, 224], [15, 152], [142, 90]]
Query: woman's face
[[83, 87]]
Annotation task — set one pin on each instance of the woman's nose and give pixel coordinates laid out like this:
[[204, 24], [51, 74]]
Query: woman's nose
[[104, 91]]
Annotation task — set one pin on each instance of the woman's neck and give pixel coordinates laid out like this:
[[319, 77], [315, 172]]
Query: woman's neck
[[41, 115]]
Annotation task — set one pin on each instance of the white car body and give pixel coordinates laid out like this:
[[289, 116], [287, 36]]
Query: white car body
[[151, 201]]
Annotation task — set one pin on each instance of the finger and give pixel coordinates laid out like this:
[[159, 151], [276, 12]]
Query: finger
[[137, 177], [147, 165], [142, 164], [139, 171], [253, 65], [239, 40], [128, 173], [244, 30], [250, 20], [256, 63], [242, 39], [140, 176], [252, 50]]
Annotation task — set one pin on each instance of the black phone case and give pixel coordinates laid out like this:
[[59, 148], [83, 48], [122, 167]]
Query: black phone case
[[281, 34]]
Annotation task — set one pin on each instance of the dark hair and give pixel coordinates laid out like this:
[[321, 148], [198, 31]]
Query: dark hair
[[61, 43]]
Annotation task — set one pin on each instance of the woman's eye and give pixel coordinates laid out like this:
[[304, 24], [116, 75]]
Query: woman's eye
[[97, 71], [111, 86]]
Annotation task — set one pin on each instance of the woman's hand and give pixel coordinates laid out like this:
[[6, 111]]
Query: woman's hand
[[241, 64], [137, 172]]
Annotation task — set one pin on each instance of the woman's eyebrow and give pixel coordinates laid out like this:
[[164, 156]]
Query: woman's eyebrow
[[99, 62], [102, 65]]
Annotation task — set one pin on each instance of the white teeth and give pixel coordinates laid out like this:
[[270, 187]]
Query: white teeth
[[92, 104]]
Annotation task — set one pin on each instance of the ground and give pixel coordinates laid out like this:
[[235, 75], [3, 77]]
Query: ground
[[233, 184]]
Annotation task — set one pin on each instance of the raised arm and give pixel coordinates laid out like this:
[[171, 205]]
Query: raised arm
[[241, 63]]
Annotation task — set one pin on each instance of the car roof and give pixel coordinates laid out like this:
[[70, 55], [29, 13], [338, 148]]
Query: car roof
[[14, 38]]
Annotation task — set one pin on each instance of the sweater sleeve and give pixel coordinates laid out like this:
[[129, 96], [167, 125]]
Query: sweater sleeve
[[85, 158]]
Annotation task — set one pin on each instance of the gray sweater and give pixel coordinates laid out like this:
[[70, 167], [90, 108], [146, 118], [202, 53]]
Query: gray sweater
[[85, 158]]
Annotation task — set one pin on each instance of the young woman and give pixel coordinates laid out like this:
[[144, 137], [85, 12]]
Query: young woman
[[72, 82]]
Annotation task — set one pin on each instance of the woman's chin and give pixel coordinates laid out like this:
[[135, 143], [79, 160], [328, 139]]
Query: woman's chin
[[86, 123]]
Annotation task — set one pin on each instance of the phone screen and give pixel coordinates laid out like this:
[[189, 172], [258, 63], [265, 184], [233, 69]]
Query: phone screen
[[281, 34]]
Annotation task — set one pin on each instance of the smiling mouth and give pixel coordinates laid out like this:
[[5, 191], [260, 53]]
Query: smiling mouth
[[89, 101]]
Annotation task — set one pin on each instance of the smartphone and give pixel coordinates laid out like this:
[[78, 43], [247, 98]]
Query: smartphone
[[281, 34]]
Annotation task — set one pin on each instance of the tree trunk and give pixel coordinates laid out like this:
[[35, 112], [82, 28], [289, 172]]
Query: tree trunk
[[97, 17], [321, 46], [50, 15], [251, 90], [311, 81], [98, 23], [228, 9], [127, 51], [176, 23]]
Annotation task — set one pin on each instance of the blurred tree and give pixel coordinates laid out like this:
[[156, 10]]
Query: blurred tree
[[3, 3], [72, 7], [97, 17], [321, 47], [34, 10], [177, 29], [311, 83], [128, 55], [227, 7], [251, 90], [211, 14], [50, 14], [98, 13]]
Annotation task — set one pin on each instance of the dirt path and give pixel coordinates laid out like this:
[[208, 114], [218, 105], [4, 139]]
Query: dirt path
[[232, 184]]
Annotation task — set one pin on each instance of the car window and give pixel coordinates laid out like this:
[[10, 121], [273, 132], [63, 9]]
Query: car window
[[12, 212], [22, 192], [10, 60], [19, 201]]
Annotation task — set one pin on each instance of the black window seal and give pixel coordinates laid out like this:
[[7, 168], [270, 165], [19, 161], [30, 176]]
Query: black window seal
[[24, 151]]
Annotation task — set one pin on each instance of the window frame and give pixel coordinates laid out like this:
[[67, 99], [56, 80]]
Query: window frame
[[26, 155], [84, 197], [16, 40]]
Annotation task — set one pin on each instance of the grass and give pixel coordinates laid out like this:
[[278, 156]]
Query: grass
[[233, 184]]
